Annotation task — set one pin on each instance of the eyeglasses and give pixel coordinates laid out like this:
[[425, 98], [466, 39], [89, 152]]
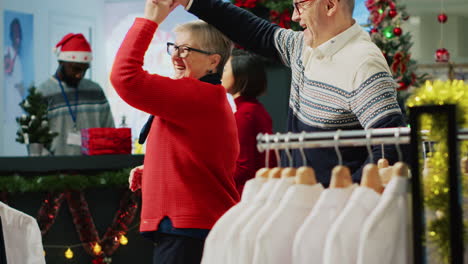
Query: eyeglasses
[[299, 6], [182, 51]]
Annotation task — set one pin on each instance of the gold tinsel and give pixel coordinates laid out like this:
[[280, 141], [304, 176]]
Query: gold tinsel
[[435, 178]]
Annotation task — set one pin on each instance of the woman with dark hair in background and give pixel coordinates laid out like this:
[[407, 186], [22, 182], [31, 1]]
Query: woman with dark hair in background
[[244, 77]]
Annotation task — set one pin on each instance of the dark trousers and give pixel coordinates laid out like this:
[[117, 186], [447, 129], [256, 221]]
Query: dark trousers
[[174, 249]]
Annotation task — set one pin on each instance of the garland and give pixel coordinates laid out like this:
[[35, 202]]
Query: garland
[[62, 182], [435, 180], [99, 248]]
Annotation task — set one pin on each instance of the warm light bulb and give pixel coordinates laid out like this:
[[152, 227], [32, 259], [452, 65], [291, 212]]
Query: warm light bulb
[[69, 254], [97, 249], [123, 240]]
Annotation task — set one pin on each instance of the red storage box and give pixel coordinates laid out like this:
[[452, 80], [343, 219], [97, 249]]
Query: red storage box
[[99, 141]]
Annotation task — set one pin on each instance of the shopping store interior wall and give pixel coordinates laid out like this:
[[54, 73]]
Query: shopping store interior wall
[[54, 16]]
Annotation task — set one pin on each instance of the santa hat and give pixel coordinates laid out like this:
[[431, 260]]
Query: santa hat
[[74, 48]]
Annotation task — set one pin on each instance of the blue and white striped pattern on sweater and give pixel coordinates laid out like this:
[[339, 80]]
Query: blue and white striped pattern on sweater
[[343, 83]]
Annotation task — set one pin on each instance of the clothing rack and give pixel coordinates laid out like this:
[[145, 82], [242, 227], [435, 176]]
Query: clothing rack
[[395, 136]]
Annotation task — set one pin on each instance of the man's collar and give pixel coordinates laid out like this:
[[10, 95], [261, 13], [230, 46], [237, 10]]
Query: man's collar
[[333, 45]]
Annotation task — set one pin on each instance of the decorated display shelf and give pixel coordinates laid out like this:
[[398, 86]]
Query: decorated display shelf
[[64, 186], [51, 164]]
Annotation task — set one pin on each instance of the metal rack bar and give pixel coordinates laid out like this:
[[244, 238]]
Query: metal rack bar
[[351, 138]]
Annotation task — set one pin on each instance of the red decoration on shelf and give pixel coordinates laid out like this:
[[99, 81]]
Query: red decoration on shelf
[[48, 211], [442, 18], [374, 30], [392, 13], [100, 141], [397, 31], [442, 55]]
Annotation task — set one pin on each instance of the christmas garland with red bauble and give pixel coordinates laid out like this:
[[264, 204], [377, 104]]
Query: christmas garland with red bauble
[[99, 248]]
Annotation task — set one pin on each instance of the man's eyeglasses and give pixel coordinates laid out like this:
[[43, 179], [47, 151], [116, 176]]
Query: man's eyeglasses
[[299, 6], [182, 51]]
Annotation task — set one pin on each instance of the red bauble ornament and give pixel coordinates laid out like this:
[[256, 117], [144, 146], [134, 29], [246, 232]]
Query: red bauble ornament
[[442, 55], [374, 30], [397, 31], [442, 18], [392, 13], [402, 86]]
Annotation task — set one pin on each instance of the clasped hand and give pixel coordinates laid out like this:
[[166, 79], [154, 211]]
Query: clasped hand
[[158, 10]]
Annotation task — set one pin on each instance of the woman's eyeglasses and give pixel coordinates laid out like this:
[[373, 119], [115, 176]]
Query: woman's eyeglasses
[[299, 6], [182, 51]]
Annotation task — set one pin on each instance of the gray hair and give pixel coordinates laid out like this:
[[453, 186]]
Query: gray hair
[[210, 39]]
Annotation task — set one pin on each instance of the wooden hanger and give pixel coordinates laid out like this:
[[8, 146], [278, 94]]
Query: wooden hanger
[[382, 162], [400, 169], [275, 173], [288, 172], [306, 175], [341, 177], [262, 173], [371, 178]]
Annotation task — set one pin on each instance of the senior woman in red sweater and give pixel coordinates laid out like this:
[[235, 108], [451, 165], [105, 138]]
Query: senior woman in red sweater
[[192, 147]]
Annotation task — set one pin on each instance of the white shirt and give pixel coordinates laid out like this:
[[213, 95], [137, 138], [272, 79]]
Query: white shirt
[[275, 239], [232, 103], [341, 245], [23, 240], [386, 235], [215, 242], [310, 238], [232, 237], [257, 221]]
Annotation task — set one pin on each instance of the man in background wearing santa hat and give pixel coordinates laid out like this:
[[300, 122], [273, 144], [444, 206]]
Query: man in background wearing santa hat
[[74, 103]]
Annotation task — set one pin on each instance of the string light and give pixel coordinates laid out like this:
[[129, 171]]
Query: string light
[[123, 240], [97, 249], [69, 253]]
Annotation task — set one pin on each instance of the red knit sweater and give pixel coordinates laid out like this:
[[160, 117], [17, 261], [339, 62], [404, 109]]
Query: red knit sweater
[[251, 118], [192, 146]]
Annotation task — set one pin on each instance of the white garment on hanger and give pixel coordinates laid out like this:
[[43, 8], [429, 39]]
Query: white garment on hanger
[[341, 246], [275, 239], [213, 252], [258, 219], [386, 236], [232, 246], [310, 238], [23, 240]]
